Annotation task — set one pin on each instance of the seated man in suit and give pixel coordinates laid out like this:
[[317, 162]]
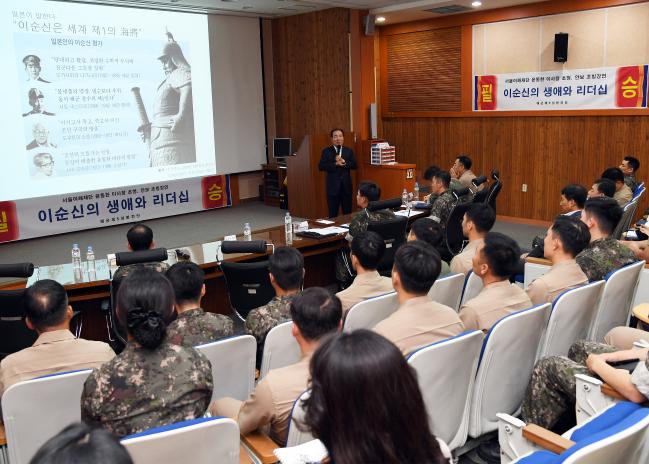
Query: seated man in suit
[[566, 238], [629, 167], [139, 238], [477, 221], [602, 188], [286, 272], [193, 326], [604, 253], [429, 231], [367, 250], [418, 321], [623, 193], [56, 349], [316, 314], [494, 262]]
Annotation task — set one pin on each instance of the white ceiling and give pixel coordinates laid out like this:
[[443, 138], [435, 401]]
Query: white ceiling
[[392, 10]]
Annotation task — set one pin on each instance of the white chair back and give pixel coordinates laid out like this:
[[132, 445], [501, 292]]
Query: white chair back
[[472, 286], [506, 363], [295, 435], [571, 317], [615, 305], [533, 271], [280, 349], [35, 410], [642, 291], [445, 373], [448, 291], [233, 366], [199, 441], [368, 313]]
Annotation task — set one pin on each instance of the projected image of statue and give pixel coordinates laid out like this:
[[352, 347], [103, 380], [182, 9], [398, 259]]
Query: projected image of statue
[[170, 135]]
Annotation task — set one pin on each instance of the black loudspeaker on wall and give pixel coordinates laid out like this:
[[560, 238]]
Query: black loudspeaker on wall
[[560, 47], [368, 22]]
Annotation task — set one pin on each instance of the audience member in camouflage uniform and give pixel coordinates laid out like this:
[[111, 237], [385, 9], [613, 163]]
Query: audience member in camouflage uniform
[[604, 254], [629, 166], [286, 270], [367, 191], [454, 184], [193, 326], [551, 391], [445, 201], [152, 382], [140, 238]]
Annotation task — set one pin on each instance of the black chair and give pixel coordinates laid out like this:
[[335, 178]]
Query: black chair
[[14, 334], [392, 203], [116, 333], [393, 232], [247, 284], [454, 235], [494, 189]]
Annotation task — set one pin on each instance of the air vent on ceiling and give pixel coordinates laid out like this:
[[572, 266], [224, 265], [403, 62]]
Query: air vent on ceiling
[[449, 9]]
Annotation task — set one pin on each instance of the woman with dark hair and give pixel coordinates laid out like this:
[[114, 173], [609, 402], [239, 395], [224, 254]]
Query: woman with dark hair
[[152, 382], [365, 404], [80, 443]]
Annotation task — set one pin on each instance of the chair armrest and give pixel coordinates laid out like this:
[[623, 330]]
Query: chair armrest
[[543, 261], [261, 446], [610, 392], [546, 439], [3, 437]]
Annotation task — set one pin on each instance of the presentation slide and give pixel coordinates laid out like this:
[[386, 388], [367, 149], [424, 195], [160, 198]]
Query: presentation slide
[[97, 97]]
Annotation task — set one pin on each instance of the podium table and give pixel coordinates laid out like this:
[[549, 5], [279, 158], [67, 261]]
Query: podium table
[[392, 178]]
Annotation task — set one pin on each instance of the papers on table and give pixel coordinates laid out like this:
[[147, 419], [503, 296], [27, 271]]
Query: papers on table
[[408, 213], [324, 221], [333, 230], [310, 452]]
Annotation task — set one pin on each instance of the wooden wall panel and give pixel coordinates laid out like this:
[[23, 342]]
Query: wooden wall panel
[[311, 73], [546, 153]]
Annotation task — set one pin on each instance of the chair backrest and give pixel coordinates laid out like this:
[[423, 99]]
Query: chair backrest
[[506, 363], [571, 318], [472, 286], [454, 234], [393, 233], [14, 334], [368, 313], [626, 219], [280, 349], [124, 258], [248, 285], [615, 305], [35, 410], [115, 327], [445, 373], [533, 271], [233, 366], [295, 435], [448, 290], [200, 441], [494, 191]]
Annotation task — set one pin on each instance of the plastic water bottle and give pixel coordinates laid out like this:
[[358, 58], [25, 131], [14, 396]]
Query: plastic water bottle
[[247, 232], [76, 262], [415, 192], [404, 198], [288, 228], [90, 262]]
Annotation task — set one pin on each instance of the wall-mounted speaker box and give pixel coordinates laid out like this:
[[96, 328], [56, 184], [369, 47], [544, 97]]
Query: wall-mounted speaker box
[[374, 118], [560, 47], [368, 22]]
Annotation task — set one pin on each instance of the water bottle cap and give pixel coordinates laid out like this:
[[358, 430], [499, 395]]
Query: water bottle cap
[[89, 248], [246, 224], [75, 245]]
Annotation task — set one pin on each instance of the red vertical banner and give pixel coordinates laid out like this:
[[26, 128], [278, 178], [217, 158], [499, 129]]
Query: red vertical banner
[[486, 93], [630, 87], [9, 229], [216, 191]]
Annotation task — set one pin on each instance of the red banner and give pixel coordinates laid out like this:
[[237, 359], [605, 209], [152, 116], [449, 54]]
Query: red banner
[[214, 190], [8, 221], [629, 85], [486, 92]]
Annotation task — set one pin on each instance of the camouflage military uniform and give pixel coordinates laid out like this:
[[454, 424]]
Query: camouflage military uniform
[[631, 182], [124, 271], [195, 327], [260, 320], [140, 389], [603, 256], [551, 391], [361, 219], [442, 207], [454, 185]]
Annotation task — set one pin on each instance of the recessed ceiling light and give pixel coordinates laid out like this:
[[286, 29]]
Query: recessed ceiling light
[[380, 19], [476, 4]]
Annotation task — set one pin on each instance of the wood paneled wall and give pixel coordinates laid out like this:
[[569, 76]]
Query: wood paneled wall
[[311, 73], [546, 153]]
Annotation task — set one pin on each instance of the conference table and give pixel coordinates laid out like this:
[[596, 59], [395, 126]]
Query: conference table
[[91, 294]]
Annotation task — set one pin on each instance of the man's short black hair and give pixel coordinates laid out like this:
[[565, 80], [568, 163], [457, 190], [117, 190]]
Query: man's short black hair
[[501, 253], [633, 162], [187, 281], [572, 233], [606, 213], [444, 177], [430, 172], [428, 231], [316, 312], [418, 265], [331, 134], [614, 174], [140, 237], [368, 247], [46, 303], [286, 265], [482, 216], [369, 190], [465, 161], [575, 192], [606, 187]]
